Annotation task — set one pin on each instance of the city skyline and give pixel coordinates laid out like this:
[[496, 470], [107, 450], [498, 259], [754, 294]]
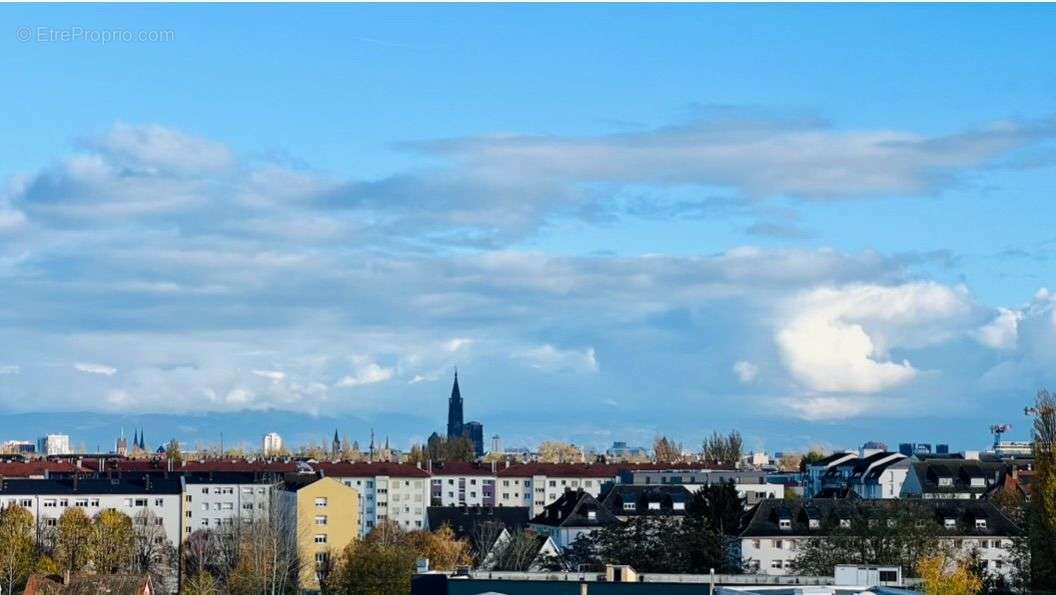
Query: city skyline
[[811, 224]]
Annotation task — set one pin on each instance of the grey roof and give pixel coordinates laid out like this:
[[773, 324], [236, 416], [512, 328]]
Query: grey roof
[[69, 487], [764, 518], [961, 471], [615, 495], [466, 520], [573, 509]]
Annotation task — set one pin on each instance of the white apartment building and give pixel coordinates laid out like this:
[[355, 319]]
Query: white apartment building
[[147, 499], [214, 500], [271, 444], [388, 492], [54, 444], [536, 485], [462, 484], [777, 530]]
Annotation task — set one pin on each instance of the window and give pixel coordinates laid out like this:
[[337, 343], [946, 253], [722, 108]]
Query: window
[[679, 505], [629, 506], [141, 501], [50, 503], [945, 482], [845, 523], [950, 523], [95, 502], [321, 558], [26, 503], [205, 490], [592, 515], [888, 576], [779, 544], [320, 502], [320, 538], [980, 523], [776, 563], [755, 544], [80, 502], [654, 506], [785, 524], [51, 522], [159, 502], [320, 519], [813, 523]]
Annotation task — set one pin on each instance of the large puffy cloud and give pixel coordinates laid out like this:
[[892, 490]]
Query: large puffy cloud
[[839, 339]]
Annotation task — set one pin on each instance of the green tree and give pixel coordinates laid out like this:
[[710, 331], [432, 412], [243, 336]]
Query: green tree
[[813, 456], [111, 542], [723, 450], [381, 564], [73, 539], [16, 547], [1042, 527], [200, 583], [720, 506]]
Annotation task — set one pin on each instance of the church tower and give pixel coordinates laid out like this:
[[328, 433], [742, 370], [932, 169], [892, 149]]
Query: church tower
[[454, 411]]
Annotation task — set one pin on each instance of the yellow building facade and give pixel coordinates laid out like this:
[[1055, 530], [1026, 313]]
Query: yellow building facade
[[326, 516]]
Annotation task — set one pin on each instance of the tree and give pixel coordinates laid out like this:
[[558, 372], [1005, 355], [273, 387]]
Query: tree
[[111, 542], [666, 451], [16, 547], [812, 456], [73, 539], [943, 576], [264, 558], [443, 550], [381, 564], [790, 462], [152, 552], [902, 534], [723, 450], [1042, 514], [720, 506], [553, 451], [200, 583], [443, 449]]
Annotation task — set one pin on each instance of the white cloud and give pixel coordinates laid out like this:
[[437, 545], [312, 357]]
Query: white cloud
[[746, 371], [550, 358], [273, 375], [457, 344], [100, 369], [1003, 331], [818, 408], [838, 339], [370, 373]]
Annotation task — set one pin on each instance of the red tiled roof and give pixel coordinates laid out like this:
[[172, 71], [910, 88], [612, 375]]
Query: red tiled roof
[[599, 470], [464, 469], [34, 468], [370, 470], [239, 466]]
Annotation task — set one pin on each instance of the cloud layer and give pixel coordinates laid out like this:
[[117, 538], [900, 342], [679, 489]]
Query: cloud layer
[[154, 270]]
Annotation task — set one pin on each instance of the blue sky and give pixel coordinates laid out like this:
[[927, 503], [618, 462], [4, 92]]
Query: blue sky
[[812, 223]]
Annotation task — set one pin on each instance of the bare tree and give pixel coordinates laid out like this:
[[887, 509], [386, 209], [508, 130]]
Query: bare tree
[[152, 551]]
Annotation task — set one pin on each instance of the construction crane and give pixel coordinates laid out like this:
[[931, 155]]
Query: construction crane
[[997, 430]]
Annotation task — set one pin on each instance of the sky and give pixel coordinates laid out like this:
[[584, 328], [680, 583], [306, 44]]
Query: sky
[[815, 224]]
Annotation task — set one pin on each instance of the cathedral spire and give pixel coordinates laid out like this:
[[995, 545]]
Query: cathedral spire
[[454, 410]]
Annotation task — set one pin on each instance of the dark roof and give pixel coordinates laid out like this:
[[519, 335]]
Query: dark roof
[[960, 471], [370, 470], [295, 482], [122, 485], [666, 496], [466, 521], [232, 477], [764, 518], [832, 458], [89, 584], [573, 509]]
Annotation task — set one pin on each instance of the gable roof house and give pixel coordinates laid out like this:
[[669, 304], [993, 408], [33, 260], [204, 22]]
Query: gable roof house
[[574, 514], [630, 501], [951, 479], [775, 530]]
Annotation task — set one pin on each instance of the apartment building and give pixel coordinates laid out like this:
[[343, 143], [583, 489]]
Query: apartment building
[[323, 515], [462, 484], [218, 499], [153, 499], [753, 486], [388, 492], [776, 530]]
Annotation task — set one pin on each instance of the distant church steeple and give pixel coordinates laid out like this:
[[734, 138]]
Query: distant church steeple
[[454, 410], [335, 446]]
